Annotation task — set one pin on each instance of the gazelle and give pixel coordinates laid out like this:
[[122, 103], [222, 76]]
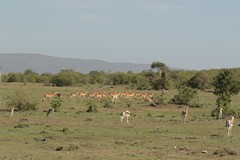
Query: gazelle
[[184, 115], [83, 94], [48, 95], [220, 113], [73, 94], [229, 125], [12, 110], [123, 115], [115, 97]]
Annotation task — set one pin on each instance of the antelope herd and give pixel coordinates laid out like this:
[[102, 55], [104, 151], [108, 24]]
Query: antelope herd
[[115, 96], [51, 95]]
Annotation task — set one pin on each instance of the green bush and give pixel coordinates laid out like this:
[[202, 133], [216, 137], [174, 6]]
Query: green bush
[[159, 99], [21, 102], [56, 103], [92, 107], [185, 96], [107, 103]]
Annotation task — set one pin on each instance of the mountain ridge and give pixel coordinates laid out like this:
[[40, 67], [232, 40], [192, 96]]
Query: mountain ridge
[[40, 63]]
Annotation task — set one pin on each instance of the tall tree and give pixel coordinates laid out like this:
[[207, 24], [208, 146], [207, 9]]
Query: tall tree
[[161, 81], [225, 85], [161, 67]]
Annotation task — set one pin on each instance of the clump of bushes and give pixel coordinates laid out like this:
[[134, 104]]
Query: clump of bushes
[[225, 151], [160, 99], [21, 102], [72, 147], [185, 96], [60, 148]]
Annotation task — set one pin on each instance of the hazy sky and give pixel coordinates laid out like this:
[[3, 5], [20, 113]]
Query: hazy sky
[[188, 34]]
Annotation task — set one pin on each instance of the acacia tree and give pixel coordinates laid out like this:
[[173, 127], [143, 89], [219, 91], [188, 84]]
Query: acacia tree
[[225, 86], [161, 67], [161, 81]]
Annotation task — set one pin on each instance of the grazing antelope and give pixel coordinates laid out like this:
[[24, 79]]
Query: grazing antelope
[[123, 115], [83, 94], [50, 111], [184, 115], [48, 95], [229, 125], [73, 94], [220, 113]]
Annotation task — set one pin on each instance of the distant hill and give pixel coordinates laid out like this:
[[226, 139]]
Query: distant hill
[[19, 62]]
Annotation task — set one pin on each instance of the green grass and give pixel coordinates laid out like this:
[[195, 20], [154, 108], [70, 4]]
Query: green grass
[[153, 132]]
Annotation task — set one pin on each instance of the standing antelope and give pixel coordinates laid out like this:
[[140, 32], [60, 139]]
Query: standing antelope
[[220, 113], [184, 115], [123, 115], [12, 110], [115, 97], [229, 125]]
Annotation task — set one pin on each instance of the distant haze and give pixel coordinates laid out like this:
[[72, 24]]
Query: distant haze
[[39, 63]]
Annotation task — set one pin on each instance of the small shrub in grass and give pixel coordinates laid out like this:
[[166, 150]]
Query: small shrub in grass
[[196, 105], [92, 107], [129, 104], [59, 148], [21, 126], [56, 104], [159, 99], [107, 103], [88, 119], [64, 130], [21, 102], [225, 151], [149, 114], [73, 147]]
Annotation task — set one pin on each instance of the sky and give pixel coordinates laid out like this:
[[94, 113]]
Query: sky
[[186, 34]]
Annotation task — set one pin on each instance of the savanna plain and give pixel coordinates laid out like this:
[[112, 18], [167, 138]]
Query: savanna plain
[[153, 133]]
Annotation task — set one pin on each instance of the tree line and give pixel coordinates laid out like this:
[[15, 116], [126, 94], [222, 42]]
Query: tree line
[[224, 83], [158, 77]]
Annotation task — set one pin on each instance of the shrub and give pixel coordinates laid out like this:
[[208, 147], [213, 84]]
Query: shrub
[[21, 126], [21, 102], [185, 96], [56, 103], [92, 107], [159, 99], [107, 103], [72, 147], [226, 84]]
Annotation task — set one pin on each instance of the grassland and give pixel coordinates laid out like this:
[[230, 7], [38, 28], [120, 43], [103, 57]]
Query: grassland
[[153, 133]]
